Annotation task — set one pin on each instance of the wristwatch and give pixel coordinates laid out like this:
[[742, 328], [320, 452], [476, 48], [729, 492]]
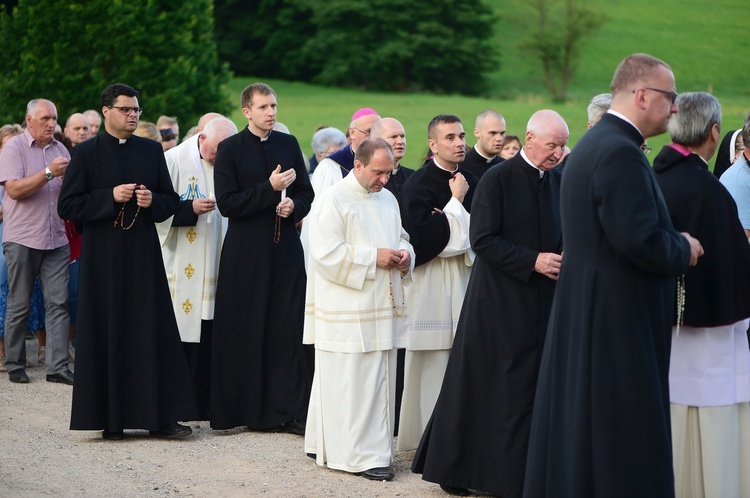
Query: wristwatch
[[48, 174]]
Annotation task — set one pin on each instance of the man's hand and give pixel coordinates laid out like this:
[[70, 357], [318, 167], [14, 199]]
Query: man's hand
[[388, 258], [696, 249], [548, 264], [143, 196], [459, 187], [405, 262], [58, 166], [280, 181], [124, 192], [203, 206], [285, 207]]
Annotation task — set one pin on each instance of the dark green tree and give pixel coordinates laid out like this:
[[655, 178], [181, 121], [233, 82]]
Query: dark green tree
[[69, 50], [555, 32]]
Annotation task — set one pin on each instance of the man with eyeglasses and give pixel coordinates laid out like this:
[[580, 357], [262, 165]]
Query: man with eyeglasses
[[131, 371], [601, 420], [31, 169]]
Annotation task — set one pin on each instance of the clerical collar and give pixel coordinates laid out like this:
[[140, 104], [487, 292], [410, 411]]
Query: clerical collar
[[526, 158], [622, 116], [451, 171], [486, 159], [262, 139]]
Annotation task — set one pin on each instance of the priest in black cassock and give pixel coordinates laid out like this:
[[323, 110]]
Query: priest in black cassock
[[489, 131], [131, 372], [261, 372], [478, 435], [600, 425], [392, 131]]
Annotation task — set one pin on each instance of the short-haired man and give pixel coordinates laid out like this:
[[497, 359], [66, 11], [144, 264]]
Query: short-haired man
[[130, 369], [77, 128], [737, 178], [191, 246], [392, 131], [436, 201], [483, 414], [489, 131], [95, 121], [600, 425], [340, 163], [261, 373], [170, 131], [31, 169], [356, 313]]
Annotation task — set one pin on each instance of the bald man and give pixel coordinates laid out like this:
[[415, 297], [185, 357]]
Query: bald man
[[478, 435], [392, 131], [77, 128], [489, 130], [95, 121]]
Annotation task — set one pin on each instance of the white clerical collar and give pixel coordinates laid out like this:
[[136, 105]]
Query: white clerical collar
[[486, 159], [262, 139], [122, 140], [526, 158], [624, 118], [451, 171]]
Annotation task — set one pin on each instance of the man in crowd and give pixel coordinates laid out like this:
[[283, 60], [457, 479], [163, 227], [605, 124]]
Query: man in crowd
[[600, 425], [490, 133], [95, 121], [437, 201], [77, 128], [131, 372], [393, 132], [261, 372], [492, 371], [356, 315], [170, 131], [34, 242], [599, 105], [191, 246]]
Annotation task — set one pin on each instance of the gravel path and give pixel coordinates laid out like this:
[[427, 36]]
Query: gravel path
[[39, 456]]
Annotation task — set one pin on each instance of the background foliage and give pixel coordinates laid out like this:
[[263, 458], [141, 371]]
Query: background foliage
[[69, 50]]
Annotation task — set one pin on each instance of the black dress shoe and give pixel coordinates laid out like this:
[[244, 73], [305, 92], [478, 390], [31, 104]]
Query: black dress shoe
[[314, 456], [113, 435], [294, 427], [64, 377], [172, 431], [455, 491], [18, 376], [377, 474]]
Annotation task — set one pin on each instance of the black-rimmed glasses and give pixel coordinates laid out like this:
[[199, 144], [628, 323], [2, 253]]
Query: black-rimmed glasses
[[127, 110], [672, 95]]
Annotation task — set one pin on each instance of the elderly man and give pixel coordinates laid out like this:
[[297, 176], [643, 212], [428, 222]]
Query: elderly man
[[709, 370], [77, 128], [437, 201], [337, 165], [737, 179], [34, 243], [325, 142], [598, 106], [489, 131], [393, 132], [356, 316], [95, 121], [261, 373], [191, 245], [600, 425], [492, 370], [130, 369]]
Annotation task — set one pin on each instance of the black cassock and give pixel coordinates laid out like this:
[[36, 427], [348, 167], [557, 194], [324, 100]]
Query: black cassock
[[601, 421], [477, 165], [131, 371], [478, 435], [261, 372]]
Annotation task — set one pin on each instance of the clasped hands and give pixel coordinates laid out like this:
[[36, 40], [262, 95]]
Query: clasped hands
[[394, 258], [123, 193]]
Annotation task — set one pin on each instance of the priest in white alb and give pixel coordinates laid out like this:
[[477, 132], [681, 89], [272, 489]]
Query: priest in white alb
[[191, 246], [355, 315]]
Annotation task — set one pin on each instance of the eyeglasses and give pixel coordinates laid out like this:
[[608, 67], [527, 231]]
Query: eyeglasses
[[127, 110], [672, 95], [363, 131]]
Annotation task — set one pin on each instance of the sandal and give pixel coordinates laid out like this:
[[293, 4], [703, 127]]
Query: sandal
[[2, 364], [41, 355]]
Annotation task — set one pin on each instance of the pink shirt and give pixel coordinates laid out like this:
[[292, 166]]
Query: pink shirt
[[32, 221]]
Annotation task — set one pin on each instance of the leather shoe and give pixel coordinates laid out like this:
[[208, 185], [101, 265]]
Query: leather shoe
[[18, 376], [64, 377], [377, 474], [455, 491], [172, 431], [113, 435]]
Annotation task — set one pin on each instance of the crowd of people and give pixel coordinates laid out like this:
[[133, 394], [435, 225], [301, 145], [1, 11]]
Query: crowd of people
[[533, 321]]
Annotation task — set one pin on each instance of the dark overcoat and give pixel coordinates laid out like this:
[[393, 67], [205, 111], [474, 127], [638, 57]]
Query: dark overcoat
[[601, 421], [261, 372], [131, 371], [478, 435]]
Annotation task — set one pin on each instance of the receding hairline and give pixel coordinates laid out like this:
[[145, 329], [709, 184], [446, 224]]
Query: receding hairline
[[482, 117], [32, 106], [635, 70], [378, 127], [546, 122]]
